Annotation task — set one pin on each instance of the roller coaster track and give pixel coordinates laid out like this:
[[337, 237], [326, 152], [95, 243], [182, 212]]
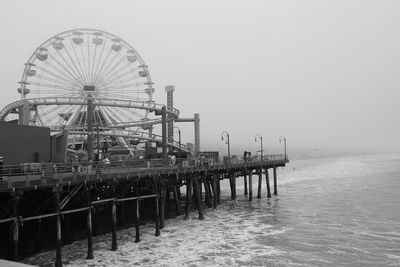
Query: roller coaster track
[[150, 106]]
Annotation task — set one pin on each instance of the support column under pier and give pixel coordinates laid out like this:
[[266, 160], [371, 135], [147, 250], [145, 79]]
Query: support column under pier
[[188, 196], [259, 183], [58, 262], [267, 182], [275, 183]]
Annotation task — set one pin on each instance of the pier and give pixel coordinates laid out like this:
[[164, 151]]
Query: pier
[[89, 151], [55, 194]]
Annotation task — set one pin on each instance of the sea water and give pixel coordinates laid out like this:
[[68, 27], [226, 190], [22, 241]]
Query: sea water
[[328, 212]]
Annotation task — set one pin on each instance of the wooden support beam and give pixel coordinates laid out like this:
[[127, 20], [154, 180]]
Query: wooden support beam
[[259, 183], [232, 177], [188, 195], [15, 227], [200, 189], [58, 262], [89, 223], [95, 212], [114, 245], [231, 187], [207, 190], [219, 190], [275, 183], [137, 225], [176, 199], [267, 182], [162, 203], [250, 185], [245, 183], [157, 212], [198, 198], [215, 190]]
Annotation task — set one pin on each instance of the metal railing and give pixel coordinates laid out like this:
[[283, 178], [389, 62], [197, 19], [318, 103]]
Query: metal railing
[[47, 170]]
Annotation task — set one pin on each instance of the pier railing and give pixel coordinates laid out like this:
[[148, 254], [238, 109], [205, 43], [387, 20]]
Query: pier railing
[[39, 174]]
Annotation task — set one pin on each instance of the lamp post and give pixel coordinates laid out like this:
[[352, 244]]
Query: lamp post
[[229, 149], [255, 140], [179, 134], [284, 143]]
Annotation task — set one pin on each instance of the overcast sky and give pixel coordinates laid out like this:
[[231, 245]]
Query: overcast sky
[[323, 73]]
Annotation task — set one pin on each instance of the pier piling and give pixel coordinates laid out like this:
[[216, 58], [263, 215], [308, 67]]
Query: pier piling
[[89, 224], [162, 203], [15, 226], [250, 185], [188, 197], [114, 245], [275, 183], [58, 262], [176, 199], [157, 213], [215, 191], [259, 183], [267, 182], [198, 198], [245, 183], [137, 213]]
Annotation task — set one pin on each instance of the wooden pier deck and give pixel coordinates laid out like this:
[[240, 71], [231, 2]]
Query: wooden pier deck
[[33, 197]]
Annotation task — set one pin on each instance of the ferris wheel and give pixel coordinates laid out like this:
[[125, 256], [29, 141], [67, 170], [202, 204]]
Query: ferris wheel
[[84, 81], [82, 67]]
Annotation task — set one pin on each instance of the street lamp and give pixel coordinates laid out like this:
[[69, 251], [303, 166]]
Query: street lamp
[[255, 140], [284, 143], [229, 149], [179, 134]]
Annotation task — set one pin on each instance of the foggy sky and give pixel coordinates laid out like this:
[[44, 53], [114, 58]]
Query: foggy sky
[[325, 74]]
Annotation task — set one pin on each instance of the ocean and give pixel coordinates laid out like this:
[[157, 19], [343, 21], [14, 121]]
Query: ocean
[[342, 211]]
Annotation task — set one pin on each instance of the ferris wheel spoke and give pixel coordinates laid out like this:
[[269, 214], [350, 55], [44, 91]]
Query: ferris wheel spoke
[[55, 116], [88, 57], [78, 70], [79, 61], [128, 85], [106, 75], [118, 96], [54, 75], [75, 115], [130, 81], [75, 78], [50, 86], [56, 82], [84, 65], [98, 72], [122, 75], [114, 72], [61, 72], [111, 77], [70, 68], [108, 65], [99, 60], [45, 111], [93, 63]]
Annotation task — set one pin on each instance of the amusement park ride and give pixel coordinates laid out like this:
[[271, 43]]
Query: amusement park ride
[[95, 88]]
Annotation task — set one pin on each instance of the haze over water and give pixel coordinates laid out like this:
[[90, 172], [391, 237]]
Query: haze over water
[[329, 212]]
